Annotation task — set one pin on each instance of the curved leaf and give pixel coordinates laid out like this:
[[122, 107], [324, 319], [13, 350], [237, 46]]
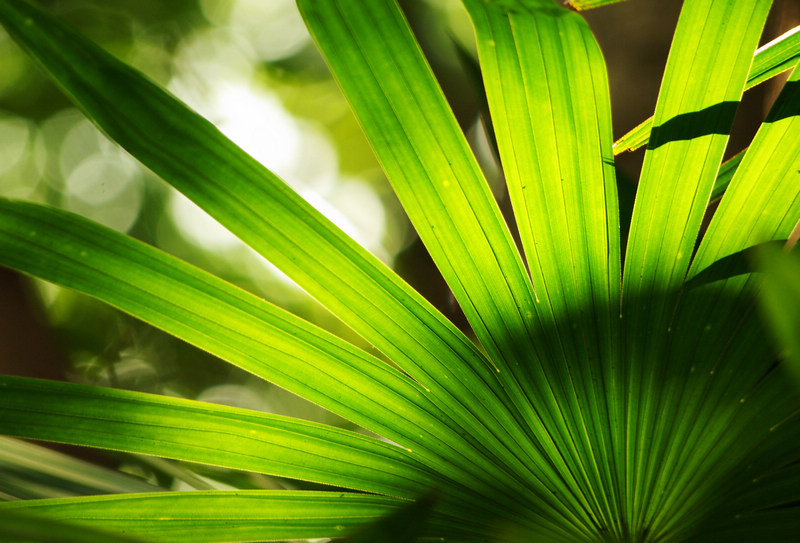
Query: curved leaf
[[192, 155], [206, 433], [241, 328]]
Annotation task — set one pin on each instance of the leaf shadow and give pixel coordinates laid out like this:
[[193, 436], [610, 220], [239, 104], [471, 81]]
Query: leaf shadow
[[716, 119]]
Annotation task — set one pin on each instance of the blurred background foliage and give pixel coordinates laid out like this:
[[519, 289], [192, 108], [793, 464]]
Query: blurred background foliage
[[250, 67]]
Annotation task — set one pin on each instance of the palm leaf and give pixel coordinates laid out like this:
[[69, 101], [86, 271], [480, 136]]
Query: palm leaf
[[244, 330], [673, 423], [548, 96], [264, 212], [204, 433]]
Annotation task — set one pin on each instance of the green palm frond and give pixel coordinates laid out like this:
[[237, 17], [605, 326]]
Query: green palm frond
[[604, 399]]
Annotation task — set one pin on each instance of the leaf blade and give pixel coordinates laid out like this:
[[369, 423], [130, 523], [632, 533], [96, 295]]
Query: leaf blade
[[548, 95], [771, 59], [224, 516], [414, 134], [377, 62], [703, 82], [256, 336], [190, 153], [204, 433], [762, 202]]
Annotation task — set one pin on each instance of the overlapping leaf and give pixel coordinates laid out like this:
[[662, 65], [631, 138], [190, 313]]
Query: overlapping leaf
[[773, 58], [415, 136], [679, 428], [188, 152], [29, 471], [206, 433], [548, 96], [762, 202], [703, 82]]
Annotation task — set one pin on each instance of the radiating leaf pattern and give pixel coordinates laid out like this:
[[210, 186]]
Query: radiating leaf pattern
[[603, 401]]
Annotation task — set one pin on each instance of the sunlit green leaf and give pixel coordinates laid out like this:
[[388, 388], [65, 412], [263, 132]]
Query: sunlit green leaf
[[200, 517], [547, 89], [771, 59], [703, 82], [205, 433], [192, 155], [19, 525]]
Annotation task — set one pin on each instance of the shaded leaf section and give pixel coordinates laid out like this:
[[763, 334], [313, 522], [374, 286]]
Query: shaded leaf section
[[547, 90], [29, 471], [402, 526], [738, 263], [780, 304]]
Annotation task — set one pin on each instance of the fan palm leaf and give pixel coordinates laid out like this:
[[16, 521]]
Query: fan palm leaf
[[600, 402]]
